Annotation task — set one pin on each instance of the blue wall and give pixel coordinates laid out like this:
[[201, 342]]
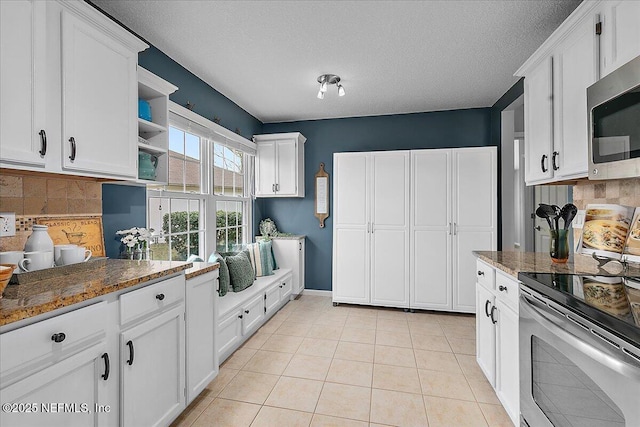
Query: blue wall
[[443, 129], [122, 207]]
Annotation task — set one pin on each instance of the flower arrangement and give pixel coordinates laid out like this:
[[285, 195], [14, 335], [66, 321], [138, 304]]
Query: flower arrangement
[[135, 238]]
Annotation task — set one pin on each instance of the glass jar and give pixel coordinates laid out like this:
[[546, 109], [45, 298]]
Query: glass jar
[[559, 246]]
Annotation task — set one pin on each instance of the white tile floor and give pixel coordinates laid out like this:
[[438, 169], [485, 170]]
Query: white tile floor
[[315, 365]]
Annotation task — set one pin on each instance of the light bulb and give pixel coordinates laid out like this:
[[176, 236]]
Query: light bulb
[[323, 87], [340, 90], [320, 94]]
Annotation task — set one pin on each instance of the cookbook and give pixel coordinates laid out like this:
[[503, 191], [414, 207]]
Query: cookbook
[[611, 231]]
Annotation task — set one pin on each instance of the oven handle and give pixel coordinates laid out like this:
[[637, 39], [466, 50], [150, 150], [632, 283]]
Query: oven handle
[[561, 327]]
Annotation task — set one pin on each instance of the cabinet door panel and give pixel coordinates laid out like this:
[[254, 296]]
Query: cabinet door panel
[[620, 34], [431, 171], [351, 265], [464, 272], [486, 334], [229, 333], [252, 314], [350, 189], [475, 188], [272, 300], [507, 360], [287, 167], [99, 109], [153, 385], [75, 380], [576, 69], [390, 267], [538, 117], [431, 270], [390, 190], [202, 361], [22, 55], [265, 168]]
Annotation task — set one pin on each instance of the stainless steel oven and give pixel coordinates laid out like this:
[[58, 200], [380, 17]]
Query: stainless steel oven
[[573, 371]]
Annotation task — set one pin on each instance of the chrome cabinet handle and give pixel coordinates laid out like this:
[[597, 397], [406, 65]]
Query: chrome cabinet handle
[[43, 142], [72, 157], [544, 157], [553, 161]]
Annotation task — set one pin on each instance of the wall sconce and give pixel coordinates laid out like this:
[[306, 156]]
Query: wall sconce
[[329, 79]]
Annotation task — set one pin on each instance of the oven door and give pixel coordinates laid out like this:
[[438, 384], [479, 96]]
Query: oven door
[[570, 376]]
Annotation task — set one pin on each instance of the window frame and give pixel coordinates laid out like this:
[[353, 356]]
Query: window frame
[[211, 133]]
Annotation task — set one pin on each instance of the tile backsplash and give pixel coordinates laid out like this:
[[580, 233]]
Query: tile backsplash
[[618, 191], [32, 196]]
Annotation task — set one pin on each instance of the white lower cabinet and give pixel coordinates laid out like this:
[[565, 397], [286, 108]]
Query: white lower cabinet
[[201, 314], [497, 350], [252, 314], [121, 361], [229, 334], [290, 254]]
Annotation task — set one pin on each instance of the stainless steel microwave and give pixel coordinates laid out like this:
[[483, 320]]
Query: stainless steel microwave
[[613, 104]]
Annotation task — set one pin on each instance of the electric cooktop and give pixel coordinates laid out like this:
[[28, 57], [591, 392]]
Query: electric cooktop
[[612, 302]]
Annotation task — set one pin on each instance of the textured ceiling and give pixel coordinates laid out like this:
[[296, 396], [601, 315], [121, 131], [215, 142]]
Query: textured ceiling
[[393, 56]]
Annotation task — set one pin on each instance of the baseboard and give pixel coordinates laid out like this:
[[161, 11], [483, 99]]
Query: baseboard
[[316, 293]]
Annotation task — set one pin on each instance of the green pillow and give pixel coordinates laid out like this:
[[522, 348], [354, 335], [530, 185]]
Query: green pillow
[[223, 273], [261, 258], [240, 271]]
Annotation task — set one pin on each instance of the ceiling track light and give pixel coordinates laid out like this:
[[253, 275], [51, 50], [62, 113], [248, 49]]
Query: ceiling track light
[[329, 79]]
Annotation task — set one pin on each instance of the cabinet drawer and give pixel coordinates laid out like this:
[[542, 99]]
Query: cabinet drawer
[[34, 347], [485, 275], [153, 298], [507, 290]]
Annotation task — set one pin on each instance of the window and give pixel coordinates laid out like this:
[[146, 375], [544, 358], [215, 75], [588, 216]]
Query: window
[[208, 176]]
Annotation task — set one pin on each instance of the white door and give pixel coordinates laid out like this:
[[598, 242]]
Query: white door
[[99, 110], [431, 229], [229, 334], [507, 360], [153, 376], [475, 218], [201, 319], [252, 313], [351, 228], [538, 122], [75, 381], [390, 229], [620, 39], [265, 168], [286, 182], [576, 66], [22, 82], [486, 333]]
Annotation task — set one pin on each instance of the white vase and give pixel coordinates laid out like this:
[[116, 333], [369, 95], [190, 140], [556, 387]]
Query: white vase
[[39, 241]]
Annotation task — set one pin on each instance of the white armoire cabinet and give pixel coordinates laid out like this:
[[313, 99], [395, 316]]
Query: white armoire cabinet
[[371, 228], [453, 199], [280, 165]]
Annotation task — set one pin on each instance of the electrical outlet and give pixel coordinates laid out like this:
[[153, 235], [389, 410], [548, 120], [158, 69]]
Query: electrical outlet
[[7, 224]]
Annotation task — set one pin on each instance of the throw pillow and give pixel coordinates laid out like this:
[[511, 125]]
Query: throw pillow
[[240, 271], [260, 257], [223, 273]]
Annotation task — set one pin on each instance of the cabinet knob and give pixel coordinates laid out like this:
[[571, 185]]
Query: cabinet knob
[[246, 311], [59, 337], [240, 316], [502, 288], [480, 273], [160, 297]]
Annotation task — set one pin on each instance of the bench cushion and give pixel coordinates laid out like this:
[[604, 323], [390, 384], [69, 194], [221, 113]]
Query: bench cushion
[[234, 300]]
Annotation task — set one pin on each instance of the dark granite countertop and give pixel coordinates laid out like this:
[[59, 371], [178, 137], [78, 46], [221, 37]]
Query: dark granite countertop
[[105, 276]]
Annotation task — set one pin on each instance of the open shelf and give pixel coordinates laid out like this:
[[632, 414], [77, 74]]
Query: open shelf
[[146, 127], [148, 148]]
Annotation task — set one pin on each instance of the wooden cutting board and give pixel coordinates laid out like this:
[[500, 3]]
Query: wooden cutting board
[[82, 231]]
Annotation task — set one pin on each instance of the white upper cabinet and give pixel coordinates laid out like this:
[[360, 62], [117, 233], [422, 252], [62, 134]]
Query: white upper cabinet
[[22, 55], [620, 39], [280, 165], [68, 78], [555, 84]]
